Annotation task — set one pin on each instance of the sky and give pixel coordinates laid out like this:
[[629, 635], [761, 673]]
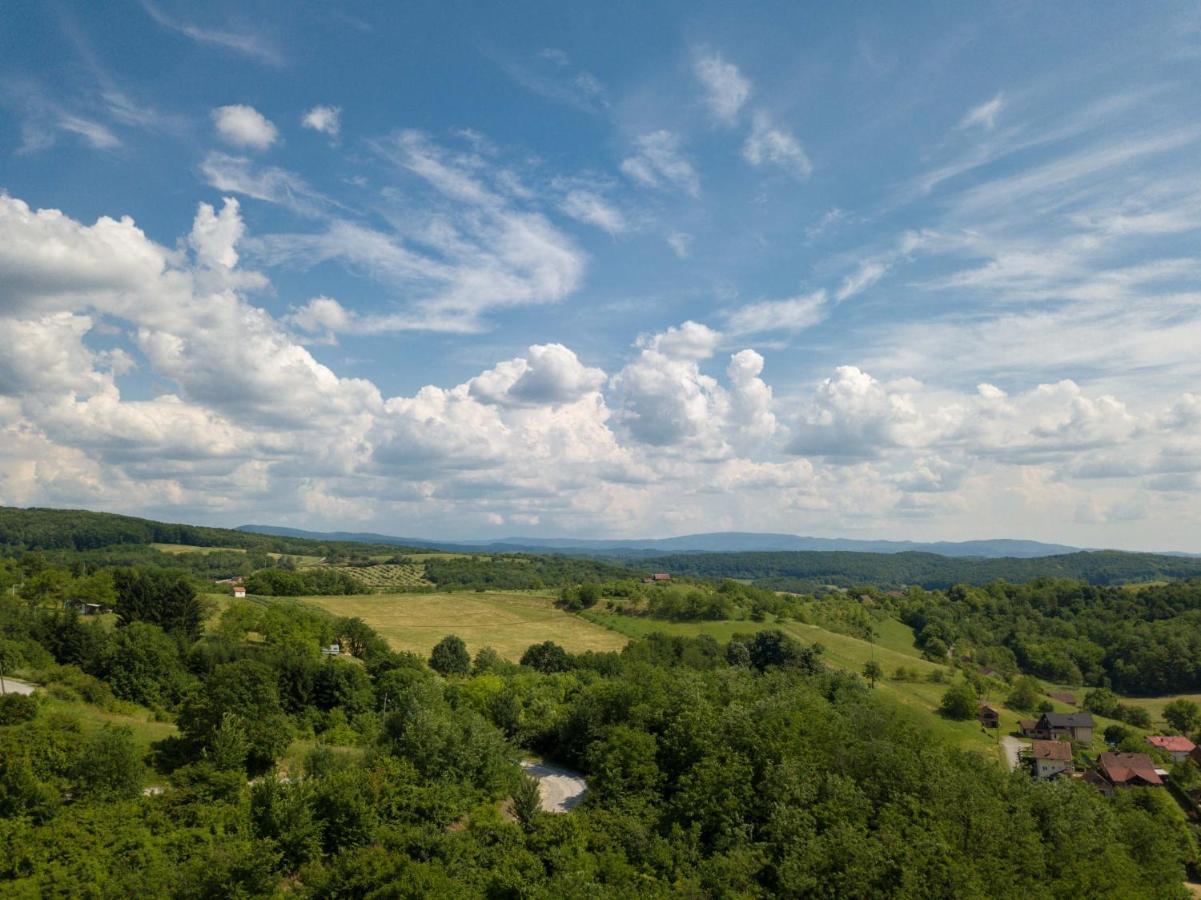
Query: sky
[[448, 270]]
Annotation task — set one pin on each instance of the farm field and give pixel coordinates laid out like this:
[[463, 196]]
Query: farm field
[[387, 575], [508, 622], [191, 548]]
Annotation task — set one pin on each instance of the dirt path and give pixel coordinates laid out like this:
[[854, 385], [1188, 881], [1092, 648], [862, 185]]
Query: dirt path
[[1013, 746], [12, 686], [560, 789]]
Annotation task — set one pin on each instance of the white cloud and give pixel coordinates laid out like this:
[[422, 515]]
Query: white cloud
[[245, 43], [215, 235], [326, 119], [588, 207], [853, 415], [547, 374], [658, 163], [790, 315], [680, 243], [244, 126], [268, 183], [768, 144], [985, 115], [726, 88]]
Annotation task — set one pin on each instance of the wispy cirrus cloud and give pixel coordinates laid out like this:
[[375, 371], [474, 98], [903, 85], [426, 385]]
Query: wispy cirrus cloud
[[246, 43]]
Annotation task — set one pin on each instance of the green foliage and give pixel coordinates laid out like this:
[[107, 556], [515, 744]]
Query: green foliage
[[872, 671], [527, 803], [959, 702], [317, 581], [1025, 695], [1183, 715], [450, 656], [546, 657], [17, 708], [109, 767], [160, 598]]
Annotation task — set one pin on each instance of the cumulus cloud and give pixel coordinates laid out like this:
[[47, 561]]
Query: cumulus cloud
[[768, 144], [658, 163], [853, 415], [325, 119], [215, 235], [726, 88], [548, 373], [244, 126]]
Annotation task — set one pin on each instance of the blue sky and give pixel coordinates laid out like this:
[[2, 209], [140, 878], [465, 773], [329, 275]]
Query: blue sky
[[627, 269]]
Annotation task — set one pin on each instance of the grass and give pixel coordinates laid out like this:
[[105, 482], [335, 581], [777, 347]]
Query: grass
[[177, 549], [508, 622]]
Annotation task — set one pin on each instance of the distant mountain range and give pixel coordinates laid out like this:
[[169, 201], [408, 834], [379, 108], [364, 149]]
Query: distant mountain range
[[716, 542]]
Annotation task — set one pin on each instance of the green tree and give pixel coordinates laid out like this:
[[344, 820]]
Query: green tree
[[546, 657], [1183, 715], [872, 671], [959, 702], [109, 766], [1025, 694], [162, 598], [450, 656], [527, 802]]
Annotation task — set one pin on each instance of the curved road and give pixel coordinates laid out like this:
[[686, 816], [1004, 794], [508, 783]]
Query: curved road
[[560, 789], [12, 686]]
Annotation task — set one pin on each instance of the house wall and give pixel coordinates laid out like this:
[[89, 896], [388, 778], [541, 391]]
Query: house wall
[[1045, 768]]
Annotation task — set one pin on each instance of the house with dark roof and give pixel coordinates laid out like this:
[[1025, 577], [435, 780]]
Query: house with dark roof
[[1028, 727], [989, 717], [1175, 746], [1124, 770], [1074, 726], [1051, 758]]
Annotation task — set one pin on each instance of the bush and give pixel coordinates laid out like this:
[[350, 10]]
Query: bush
[[959, 702], [546, 657], [17, 708], [450, 656]]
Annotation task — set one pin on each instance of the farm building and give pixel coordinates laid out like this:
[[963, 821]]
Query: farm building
[[1123, 770], [83, 607], [989, 717], [1028, 727], [1076, 726], [1176, 746], [239, 590], [656, 578], [1051, 758]]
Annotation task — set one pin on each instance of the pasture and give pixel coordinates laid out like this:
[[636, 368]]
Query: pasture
[[507, 622]]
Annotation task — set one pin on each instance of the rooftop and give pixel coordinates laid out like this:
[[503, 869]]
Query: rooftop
[[1061, 750], [1128, 768], [1173, 743]]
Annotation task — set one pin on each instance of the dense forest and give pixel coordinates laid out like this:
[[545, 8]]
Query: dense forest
[[1136, 641], [516, 572], [745, 769], [804, 571]]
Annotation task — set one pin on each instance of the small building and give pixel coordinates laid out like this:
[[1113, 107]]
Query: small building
[[656, 578], [1051, 758], [1074, 726], [1063, 697], [1124, 770], [239, 590], [989, 717], [83, 607], [332, 650], [1176, 746], [1028, 727]]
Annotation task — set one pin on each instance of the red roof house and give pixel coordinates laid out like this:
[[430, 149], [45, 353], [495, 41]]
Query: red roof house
[[1126, 770], [1175, 745]]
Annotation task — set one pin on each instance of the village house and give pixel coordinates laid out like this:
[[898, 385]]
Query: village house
[[657, 577], [1051, 758], [332, 650], [1076, 726], [1176, 746], [83, 607], [989, 717], [1123, 770], [1028, 727], [239, 590]]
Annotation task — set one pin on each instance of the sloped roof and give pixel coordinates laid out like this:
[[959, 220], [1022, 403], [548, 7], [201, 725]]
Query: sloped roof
[[1128, 768], [1060, 750], [1173, 743], [1068, 720]]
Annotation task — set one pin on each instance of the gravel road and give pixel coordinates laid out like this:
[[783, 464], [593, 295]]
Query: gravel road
[[560, 789]]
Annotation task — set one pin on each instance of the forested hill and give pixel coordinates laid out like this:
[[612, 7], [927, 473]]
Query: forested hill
[[78, 529], [803, 570]]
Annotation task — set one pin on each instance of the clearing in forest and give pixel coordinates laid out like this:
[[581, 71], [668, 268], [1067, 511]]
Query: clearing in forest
[[507, 622]]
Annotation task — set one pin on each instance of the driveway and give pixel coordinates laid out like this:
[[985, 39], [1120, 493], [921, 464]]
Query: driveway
[[560, 789], [12, 686], [1012, 747]]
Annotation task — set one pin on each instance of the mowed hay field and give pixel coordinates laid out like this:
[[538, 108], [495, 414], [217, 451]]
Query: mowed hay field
[[509, 623]]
